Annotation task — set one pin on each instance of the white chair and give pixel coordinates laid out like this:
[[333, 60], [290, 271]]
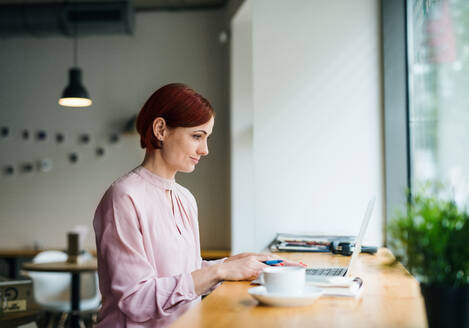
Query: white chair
[[52, 290]]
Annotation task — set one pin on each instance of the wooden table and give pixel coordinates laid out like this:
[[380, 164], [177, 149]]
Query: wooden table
[[75, 269], [13, 257], [391, 298]]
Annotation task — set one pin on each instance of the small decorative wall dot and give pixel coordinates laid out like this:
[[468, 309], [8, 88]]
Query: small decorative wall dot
[[73, 158], [114, 138], [130, 125], [59, 137], [223, 36], [4, 131], [84, 138], [25, 134], [27, 167], [100, 151], [41, 135], [44, 165], [8, 170]]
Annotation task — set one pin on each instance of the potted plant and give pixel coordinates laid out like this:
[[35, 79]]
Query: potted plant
[[432, 240]]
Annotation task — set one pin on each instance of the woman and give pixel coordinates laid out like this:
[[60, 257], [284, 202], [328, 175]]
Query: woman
[[147, 235]]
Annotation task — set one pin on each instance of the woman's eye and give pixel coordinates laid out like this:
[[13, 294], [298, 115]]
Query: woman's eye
[[197, 136]]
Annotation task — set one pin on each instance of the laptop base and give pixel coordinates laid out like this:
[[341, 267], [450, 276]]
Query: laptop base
[[330, 272]]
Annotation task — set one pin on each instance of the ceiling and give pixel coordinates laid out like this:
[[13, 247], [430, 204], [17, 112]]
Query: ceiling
[[84, 17], [140, 5]]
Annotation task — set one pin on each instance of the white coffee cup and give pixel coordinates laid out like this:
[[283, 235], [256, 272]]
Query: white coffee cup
[[284, 280]]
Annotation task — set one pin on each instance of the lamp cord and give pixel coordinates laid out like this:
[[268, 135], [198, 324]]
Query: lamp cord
[[75, 50]]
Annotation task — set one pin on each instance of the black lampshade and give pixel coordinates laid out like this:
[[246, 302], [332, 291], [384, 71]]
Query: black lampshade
[[75, 94]]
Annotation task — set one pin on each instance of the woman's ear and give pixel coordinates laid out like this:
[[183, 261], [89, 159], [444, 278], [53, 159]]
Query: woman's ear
[[159, 128]]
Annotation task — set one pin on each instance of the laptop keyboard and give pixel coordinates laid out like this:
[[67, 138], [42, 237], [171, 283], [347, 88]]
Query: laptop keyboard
[[327, 271]]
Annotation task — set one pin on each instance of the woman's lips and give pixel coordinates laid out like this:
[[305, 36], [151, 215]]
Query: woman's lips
[[195, 160]]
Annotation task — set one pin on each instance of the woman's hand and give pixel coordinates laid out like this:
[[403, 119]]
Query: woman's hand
[[244, 266], [248, 266], [268, 257], [243, 255]]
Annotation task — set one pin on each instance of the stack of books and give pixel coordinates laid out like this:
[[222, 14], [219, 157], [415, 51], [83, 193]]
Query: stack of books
[[284, 242]]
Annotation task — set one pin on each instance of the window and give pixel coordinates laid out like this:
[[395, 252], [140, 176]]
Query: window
[[438, 68]]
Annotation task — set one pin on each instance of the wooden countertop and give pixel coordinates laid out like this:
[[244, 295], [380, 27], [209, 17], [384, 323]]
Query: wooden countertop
[[17, 252], [209, 254], [88, 266], [12, 252], [391, 298]]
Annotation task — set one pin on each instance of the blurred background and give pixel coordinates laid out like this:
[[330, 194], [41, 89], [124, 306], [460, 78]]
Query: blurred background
[[319, 106]]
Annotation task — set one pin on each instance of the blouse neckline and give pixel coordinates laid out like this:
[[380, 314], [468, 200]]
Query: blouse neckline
[[163, 183]]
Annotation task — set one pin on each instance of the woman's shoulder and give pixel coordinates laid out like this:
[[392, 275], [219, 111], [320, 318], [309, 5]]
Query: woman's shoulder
[[127, 184], [119, 195]]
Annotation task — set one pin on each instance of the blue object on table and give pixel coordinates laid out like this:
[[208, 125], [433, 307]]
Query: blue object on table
[[272, 262]]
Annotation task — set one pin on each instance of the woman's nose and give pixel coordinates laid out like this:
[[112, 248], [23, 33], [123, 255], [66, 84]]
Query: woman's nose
[[203, 149]]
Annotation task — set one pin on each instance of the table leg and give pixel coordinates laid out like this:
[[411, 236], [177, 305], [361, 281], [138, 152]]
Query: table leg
[[75, 301]]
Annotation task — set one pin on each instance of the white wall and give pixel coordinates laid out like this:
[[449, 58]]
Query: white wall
[[241, 123], [120, 73], [317, 120]]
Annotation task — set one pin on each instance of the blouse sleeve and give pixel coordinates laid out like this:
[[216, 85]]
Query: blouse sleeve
[[212, 262], [209, 263], [141, 294]]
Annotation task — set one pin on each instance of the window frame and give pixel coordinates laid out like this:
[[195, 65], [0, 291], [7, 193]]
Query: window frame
[[396, 106]]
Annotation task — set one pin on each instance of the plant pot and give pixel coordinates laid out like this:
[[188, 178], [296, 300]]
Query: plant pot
[[446, 306]]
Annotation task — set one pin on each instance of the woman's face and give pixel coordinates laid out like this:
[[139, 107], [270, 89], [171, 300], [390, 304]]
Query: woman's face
[[183, 147]]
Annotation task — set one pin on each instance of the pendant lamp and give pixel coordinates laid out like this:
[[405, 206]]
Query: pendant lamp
[[75, 94]]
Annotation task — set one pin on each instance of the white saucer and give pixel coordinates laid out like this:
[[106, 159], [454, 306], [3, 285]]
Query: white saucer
[[310, 294]]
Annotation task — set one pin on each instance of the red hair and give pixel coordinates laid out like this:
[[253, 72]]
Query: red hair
[[178, 105]]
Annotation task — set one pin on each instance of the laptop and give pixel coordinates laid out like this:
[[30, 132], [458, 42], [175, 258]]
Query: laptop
[[313, 273]]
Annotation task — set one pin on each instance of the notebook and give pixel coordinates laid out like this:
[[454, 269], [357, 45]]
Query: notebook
[[313, 273], [339, 286]]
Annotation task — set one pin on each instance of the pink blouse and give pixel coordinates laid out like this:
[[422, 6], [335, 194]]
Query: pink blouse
[[147, 248]]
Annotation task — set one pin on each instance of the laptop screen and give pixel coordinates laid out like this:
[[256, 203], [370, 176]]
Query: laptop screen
[[361, 234]]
